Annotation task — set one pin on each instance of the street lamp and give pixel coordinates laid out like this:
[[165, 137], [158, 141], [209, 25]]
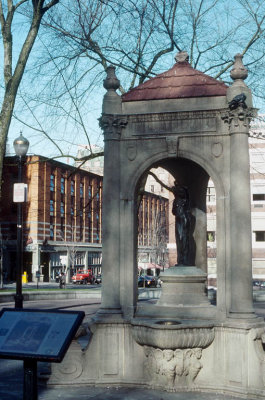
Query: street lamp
[[21, 146]]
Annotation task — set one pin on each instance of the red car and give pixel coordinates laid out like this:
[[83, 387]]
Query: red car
[[83, 277]]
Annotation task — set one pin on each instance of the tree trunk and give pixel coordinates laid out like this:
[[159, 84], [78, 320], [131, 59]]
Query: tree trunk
[[5, 119]]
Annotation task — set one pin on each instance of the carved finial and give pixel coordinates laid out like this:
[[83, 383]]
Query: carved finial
[[239, 71], [111, 101], [111, 82], [182, 56]]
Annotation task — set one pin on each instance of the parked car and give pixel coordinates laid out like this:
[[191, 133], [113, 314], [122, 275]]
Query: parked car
[[83, 277], [98, 279], [147, 281]]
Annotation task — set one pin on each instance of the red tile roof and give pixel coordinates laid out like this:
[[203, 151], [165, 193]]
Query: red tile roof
[[180, 81]]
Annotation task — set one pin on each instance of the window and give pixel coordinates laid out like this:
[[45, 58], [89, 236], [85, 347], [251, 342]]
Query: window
[[52, 228], [152, 188], [72, 188], [258, 197], [81, 190], [62, 229], [81, 229], [62, 209], [210, 195], [89, 191], [51, 207], [52, 185], [62, 185], [260, 236], [81, 206], [210, 236]]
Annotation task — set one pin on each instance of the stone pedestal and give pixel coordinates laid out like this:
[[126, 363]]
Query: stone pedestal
[[183, 286], [183, 296]]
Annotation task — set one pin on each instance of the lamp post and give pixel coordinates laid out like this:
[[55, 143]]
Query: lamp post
[[21, 146]]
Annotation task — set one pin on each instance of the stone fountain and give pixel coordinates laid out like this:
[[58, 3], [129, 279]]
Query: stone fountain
[[195, 127]]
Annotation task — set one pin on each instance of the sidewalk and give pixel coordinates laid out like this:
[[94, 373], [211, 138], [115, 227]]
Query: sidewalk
[[11, 388]]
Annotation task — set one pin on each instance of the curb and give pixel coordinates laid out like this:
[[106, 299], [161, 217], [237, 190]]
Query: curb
[[149, 293], [48, 295]]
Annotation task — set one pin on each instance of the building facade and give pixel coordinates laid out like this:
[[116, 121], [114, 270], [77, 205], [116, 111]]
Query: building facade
[[153, 226], [61, 219], [257, 186]]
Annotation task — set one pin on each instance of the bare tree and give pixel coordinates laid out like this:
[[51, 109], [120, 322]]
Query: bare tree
[[140, 38], [136, 36], [13, 75]]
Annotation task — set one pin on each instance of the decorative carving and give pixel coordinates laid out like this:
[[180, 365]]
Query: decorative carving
[[174, 116], [182, 56], [172, 146], [175, 123], [238, 71], [112, 125], [217, 149], [258, 337], [172, 368], [131, 150], [182, 338], [111, 82], [192, 364], [71, 368], [238, 119]]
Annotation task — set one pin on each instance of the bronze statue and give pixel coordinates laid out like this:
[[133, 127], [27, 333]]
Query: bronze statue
[[182, 212]]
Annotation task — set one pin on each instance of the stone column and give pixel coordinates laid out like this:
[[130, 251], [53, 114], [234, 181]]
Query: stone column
[[86, 259], [35, 262], [240, 218], [112, 123], [68, 266], [238, 118]]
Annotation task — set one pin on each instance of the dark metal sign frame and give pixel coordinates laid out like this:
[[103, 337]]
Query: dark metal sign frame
[[36, 335], [43, 335]]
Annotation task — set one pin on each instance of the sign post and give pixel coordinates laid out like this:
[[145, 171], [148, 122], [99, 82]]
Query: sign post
[[38, 278]]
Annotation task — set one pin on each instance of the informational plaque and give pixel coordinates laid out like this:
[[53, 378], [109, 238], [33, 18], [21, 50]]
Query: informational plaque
[[43, 335]]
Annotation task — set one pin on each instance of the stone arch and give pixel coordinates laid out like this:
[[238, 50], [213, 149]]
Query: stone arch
[[154, 159], [209, 168], [186, 116], [190, 122]]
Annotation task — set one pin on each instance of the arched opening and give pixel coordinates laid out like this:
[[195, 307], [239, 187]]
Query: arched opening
[[157, 248]]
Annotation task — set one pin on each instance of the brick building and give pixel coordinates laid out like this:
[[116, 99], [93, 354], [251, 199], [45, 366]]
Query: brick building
[[62, 218], [153, 227]]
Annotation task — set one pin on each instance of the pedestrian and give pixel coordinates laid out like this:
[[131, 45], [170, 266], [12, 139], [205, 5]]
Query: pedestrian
[[62, 281]]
